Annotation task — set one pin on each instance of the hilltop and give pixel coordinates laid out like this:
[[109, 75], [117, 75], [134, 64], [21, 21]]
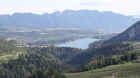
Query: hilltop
[[132, 34]]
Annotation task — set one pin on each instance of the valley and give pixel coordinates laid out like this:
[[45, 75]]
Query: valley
[[102, 59], [69, 44], [47, 37]]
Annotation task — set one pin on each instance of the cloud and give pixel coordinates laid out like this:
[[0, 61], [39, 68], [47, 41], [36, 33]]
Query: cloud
[[92, 4], [96, 3], [127, 7]]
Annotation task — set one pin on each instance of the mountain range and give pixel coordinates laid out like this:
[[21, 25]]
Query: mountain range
[[65, 62], [84, 19]]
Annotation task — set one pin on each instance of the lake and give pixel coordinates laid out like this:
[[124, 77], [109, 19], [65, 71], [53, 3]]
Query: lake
[[80, 43]]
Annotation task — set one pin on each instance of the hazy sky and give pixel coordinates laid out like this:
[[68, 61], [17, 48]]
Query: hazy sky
[[128, 7]]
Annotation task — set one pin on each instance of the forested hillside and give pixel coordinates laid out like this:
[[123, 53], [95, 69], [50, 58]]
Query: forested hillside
[[124, 65], [8, 50], [34, 62], [33, 65], [54, 61], [131, 34], [16, 62], [118, 57], [62, 62]]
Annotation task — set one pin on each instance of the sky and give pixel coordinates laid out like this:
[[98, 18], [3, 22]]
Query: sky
[[126, 7]]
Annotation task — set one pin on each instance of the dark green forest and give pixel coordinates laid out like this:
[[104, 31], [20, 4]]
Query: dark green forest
[[53, 62]]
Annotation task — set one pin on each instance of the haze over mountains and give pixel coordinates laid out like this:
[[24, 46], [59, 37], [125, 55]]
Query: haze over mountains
[[131, 34], [85, 19]]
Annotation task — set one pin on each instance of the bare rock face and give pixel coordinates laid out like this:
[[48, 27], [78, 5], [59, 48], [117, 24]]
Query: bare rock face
[[131, 34]]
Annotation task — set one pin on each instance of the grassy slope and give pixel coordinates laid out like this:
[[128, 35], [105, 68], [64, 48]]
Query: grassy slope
[[8, 51], [126, 70], [4, 57]]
